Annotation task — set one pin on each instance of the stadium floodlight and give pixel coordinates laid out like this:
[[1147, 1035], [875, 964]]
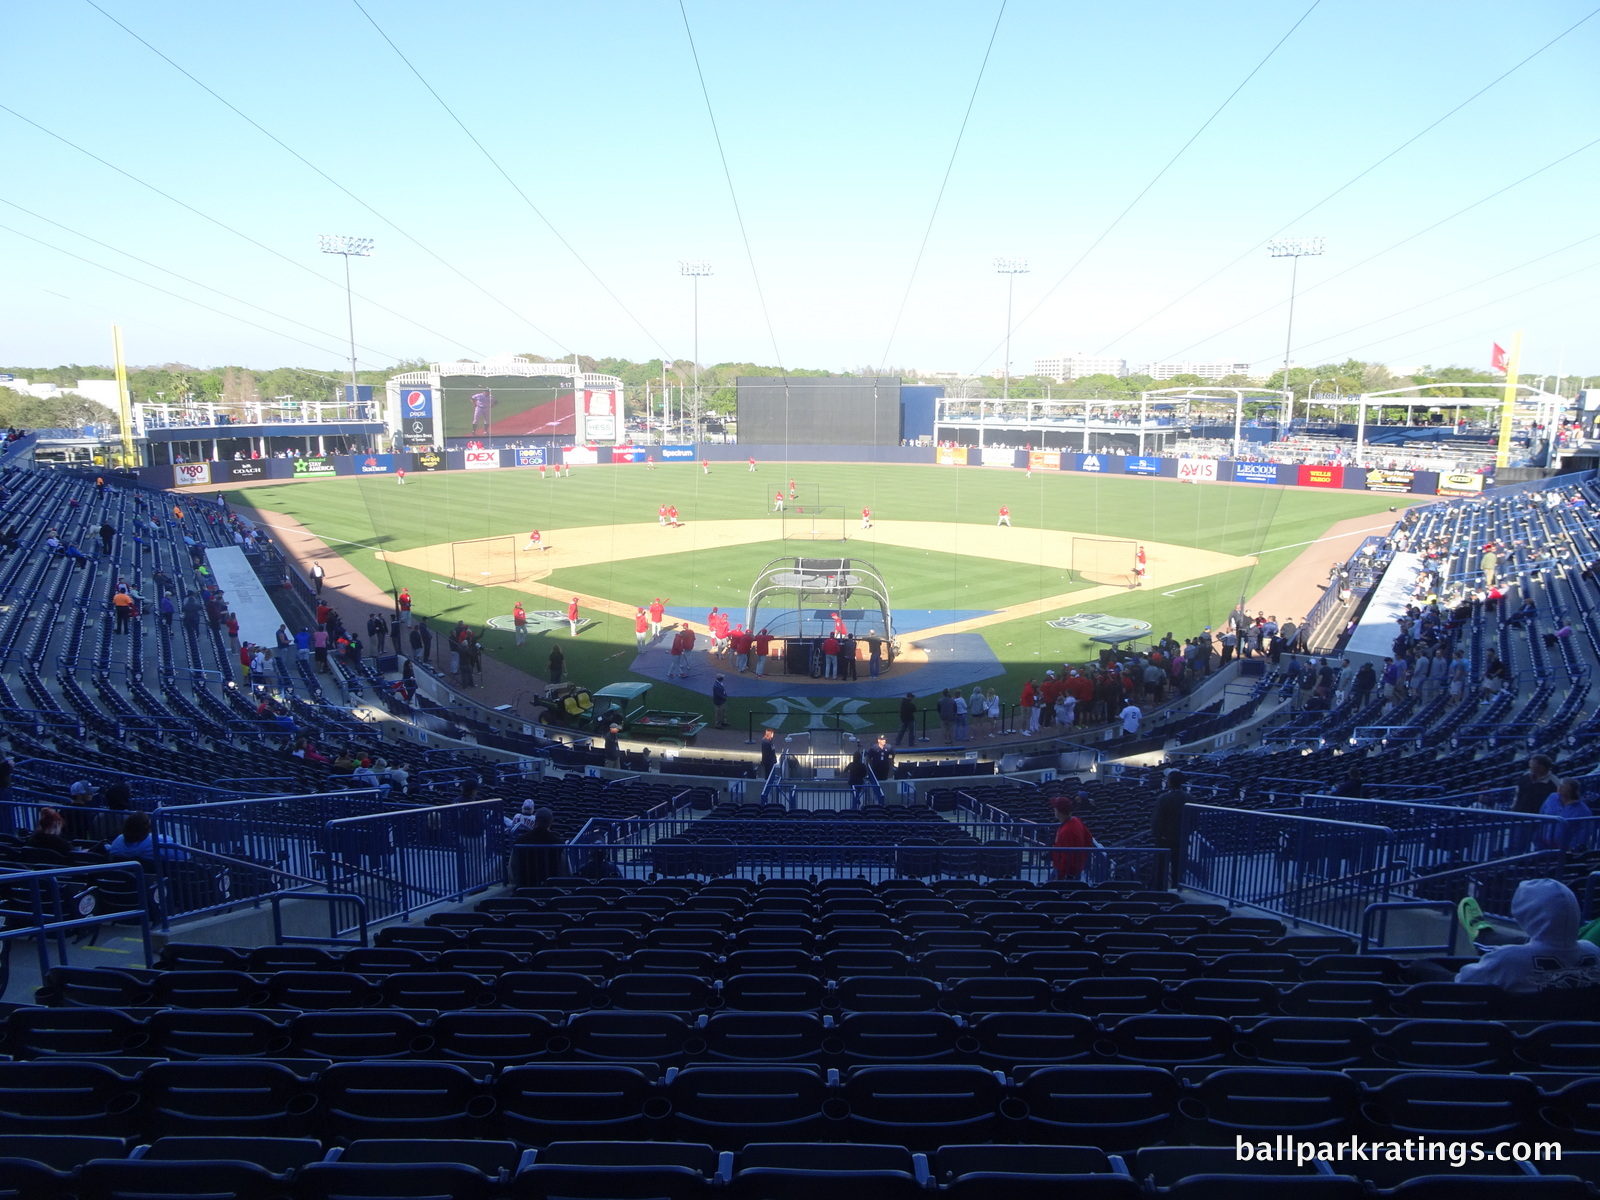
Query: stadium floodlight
[[696, 269], [1010, 268], [1294, 248], [348, 247]]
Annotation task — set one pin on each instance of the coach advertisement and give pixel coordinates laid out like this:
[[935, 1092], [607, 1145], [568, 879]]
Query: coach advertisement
[[313, 466], [239, 472], [1256, 472], [191, 474], [1198, 470], [1460, 483], [1136, 464], [530, 456], [1325, 477], [1044, 460], [952, 456], [480, 460], [1389, 481], [429, 460], [677, 453]]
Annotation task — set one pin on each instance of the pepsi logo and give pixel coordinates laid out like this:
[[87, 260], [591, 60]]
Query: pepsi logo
[[416, 401]]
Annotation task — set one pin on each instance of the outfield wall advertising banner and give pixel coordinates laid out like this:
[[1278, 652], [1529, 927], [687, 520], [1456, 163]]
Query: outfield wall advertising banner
[[314, 466], [416, 416], [1327, 477], [585, 455], [255, 468], [530, 456], [1389, 481], [1141, 465], [1089, 462], [480, 460], [1255, 472], [430, 460], [600, 413], [952, 456], [677, 453], [1460, 483], [1197, 470], [994, 456], [191, 474], [627, 454], [1044, 460], [374, 464]]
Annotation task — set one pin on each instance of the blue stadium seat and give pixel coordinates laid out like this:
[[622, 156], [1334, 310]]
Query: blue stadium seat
[[392, 1181], [146, 1179], [728, 1106], [219, 1097], [799, 1171], [497, 1160], [764, 1037], [66, 1097], [1114, 1107], [1358, 999], [999, 994], [1556, 1046], [1007, 1039], [660, 961], [621, 1035], [1257, 1104], [93, 987], [502, 1037], [321, 990], [1029, 1173], [1057, 966], [60, 1152], [545, 1102], [1448, 1105], [660, 993], [1226, 997], [403, 1099], [1448, 1000], [1172, 1039], [773, 992], [1446, 1046], [1117, 994], [839, 964], [886, 993], [922, 1107], [277, 1155], [363, 1034], [894, 1037], [441, 991], [82, 1032], [228, 1033], [207, 989], [1328, 1042], [547, 991]]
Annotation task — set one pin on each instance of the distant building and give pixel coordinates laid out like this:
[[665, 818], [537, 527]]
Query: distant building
[[1205, 370], [101, 391], [1066, 367]]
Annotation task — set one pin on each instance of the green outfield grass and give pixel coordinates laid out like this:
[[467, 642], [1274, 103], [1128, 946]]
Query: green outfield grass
[[356, 516]]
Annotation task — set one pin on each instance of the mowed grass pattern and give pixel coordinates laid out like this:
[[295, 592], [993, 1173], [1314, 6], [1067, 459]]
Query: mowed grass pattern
[[356, 516]]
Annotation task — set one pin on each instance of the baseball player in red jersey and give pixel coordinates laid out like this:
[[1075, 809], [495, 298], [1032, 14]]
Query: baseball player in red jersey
[[658, 611], [752, 462], [777, 502], [641, 629], [400, 474], [650, 462], [535, 541], [839, 629], [866, 518], [794, 492], [542, 475], [661, 515], [1138, 569], [1005, 517], [672, 515], [705, 466], [572, 616]]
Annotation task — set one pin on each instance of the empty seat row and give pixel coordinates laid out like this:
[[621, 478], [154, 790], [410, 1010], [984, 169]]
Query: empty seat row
[[727, 1106], [1001, 1040]]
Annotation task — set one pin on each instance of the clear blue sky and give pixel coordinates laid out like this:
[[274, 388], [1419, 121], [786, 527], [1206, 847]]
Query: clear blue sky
[[837, 120]]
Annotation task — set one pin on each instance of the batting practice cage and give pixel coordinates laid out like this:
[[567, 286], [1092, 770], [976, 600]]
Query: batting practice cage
[[1105, 560], [797, 597], [482, 562]]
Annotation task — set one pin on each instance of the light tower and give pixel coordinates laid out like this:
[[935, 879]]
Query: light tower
[[1295, 248], [696, 269], [1010, 268], [348, 247]]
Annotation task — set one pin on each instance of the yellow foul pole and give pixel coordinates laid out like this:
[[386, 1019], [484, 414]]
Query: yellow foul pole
[[124, 401], [1508, 404]]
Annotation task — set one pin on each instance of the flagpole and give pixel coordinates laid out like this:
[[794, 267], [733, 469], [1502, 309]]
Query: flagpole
[[1508, 404]]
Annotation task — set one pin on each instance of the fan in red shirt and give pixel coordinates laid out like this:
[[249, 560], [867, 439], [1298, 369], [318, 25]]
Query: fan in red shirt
[[1073, 840]]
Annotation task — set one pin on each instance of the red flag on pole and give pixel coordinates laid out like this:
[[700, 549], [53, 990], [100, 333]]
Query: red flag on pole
[[1499, 360]]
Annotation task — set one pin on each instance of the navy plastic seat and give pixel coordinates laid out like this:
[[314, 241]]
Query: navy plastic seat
[[895, 1037], [1057, 966], [147, 1179], [442, 991], [886, 993], [1373, 967], [545, 1102], [496, 1159], [728, 1106], [85, 1032], [773, 992], [1358, 999], [1165, 1166], [514, 938], [648, 992], [922, 1107], [1113, 1107], [620, 1035], [277, 1155], [838, 964], [764, 1037], [548, 991], [1449, 1105], [1121, 994], [598, 964], [1274, 968], [1448, 1000], [1006, 1039], [618, 941], [46, 1096], [402, 1099], [504, 1037], [476, 962], [659, 961], [1446, 1046], [224, 1033], [999, 994], [1257, 1104], [798, 1171], [383, 1181], [267, 960], [1327, 1042], [1029, 1173], [1555, 1046], [385, 960], [425, 938], [93, 987], [321, 990], [1156, 964], [1574, 1112], [191, 956], [355, 1035], [225, 1097], [1172, 1039], [1226, 997], [208, 989]]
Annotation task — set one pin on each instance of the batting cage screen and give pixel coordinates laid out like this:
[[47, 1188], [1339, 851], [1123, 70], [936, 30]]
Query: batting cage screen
[[815, 523], [797, 597], [1105, 560], [484, 562]]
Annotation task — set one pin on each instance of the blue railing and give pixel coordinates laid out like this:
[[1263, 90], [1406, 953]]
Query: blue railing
[[51, 903]]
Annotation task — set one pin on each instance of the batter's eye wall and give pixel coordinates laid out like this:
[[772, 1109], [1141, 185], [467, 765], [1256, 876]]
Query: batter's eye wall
[[830, 410]]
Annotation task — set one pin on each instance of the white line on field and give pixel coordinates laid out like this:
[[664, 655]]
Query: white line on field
[[1330, 538], [1175, 591], [321, 537]]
